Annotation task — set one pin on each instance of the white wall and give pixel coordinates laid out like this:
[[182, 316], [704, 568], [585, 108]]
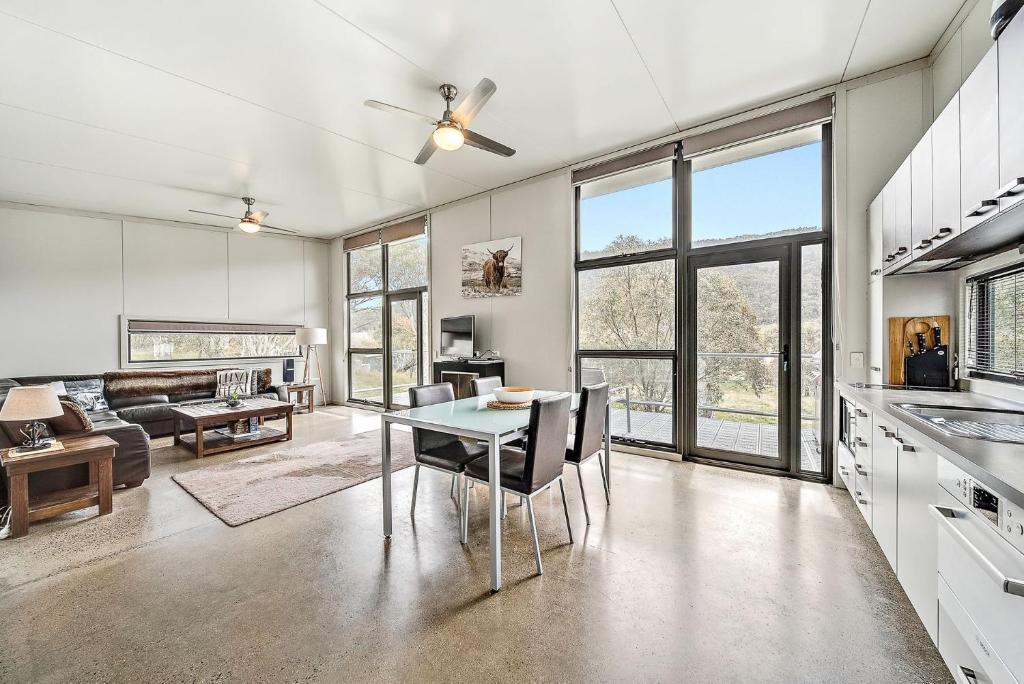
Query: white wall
[[65, 279], [532, 331]]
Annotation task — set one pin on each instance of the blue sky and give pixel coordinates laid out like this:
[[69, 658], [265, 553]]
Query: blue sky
[[760, 195]]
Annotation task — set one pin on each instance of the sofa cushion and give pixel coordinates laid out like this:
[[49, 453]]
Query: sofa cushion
[[75, 419], [88, 393], [234, 382], [125, 402], [147, 413], [201, 395]]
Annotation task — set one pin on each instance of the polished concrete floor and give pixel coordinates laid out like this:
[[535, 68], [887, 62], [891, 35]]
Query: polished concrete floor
[[693, 574]]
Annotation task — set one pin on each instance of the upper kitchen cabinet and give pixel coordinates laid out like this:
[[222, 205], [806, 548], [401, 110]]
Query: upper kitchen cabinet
[[875, 239], [921, 196], [1011, 113], [946, 172], [902, 197], [979, 142], [888, 198]]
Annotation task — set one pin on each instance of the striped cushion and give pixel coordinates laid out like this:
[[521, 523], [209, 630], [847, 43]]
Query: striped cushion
[[234, 381]]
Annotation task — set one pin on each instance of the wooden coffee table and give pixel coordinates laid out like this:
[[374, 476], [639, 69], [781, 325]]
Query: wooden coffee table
[[200, 417], [96, 450]]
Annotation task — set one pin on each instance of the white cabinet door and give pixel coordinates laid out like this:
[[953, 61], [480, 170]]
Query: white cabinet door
[[862, 464], [877, 334], [921, 196], [946, 172], [916, 543], [875, 239], [979, 142], [1011, 113], [902, 185], [888, 197], [884, 478]]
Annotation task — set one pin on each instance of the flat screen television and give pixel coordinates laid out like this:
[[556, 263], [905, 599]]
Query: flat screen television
[[457, 336]]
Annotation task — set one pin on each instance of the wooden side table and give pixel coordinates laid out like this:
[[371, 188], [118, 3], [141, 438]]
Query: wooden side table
[[305, 392], [96, 450]]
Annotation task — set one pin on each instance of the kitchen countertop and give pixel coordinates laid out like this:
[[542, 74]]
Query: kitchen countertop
[[998, 465]]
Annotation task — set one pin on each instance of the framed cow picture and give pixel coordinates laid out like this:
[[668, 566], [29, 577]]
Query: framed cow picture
[[493, 269]]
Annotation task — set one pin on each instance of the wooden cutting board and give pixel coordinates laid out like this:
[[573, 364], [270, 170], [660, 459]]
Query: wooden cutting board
[[902, 330]]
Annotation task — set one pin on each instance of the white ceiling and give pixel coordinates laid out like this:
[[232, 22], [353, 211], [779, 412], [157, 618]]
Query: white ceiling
[[153, 108]]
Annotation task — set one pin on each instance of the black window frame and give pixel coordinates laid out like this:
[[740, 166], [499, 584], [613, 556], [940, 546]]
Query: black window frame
[[984, 299]]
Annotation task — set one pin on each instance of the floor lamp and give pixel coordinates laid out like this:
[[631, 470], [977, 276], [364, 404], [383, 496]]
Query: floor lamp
[[310, 338]]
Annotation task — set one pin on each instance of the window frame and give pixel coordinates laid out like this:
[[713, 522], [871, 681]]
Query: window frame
[[126, 361], [386, 295], [973, 371]]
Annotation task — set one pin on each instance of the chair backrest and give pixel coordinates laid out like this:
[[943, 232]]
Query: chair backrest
[[425, 395], [591, 376], [590, 421], [482, 386], [545, 450]]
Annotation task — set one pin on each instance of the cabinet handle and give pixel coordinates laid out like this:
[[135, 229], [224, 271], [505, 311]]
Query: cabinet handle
[[923, 244], [875, 271], [969, 674], [982, 208], [859, 493], [901, 250], [907, 447], [896, 441], [942, 234], [861, 471], [876, 368], [861, 414], [1011, 189], [890, 257], [861, 443], [862, 502]]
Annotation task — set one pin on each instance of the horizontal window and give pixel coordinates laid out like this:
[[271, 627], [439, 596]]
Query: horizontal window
[[995, 323], [166, 341], [760, 189], [365, 270], [628, 213]]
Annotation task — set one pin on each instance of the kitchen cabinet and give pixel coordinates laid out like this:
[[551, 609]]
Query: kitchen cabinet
[[921, 196], [888, 198], [875, 239], [884, 477], [979, 142], [877, 334], [916, 539], [902, 198], [946, 172], [1011, 113], [862, 464]]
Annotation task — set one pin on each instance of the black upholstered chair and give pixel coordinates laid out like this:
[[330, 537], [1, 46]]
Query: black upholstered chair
[[589, 438], [527, 473], [437, 450], [483, 386]]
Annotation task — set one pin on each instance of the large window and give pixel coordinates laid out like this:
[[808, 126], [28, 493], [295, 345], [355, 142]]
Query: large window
[[995, 325], [387, 314], [626, 289], [149, 341]]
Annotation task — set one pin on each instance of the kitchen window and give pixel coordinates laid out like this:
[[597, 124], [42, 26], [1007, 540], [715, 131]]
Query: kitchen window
[[995, 325]]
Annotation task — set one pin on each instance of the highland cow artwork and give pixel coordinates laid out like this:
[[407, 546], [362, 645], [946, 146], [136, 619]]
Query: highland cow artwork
[[493, 269]]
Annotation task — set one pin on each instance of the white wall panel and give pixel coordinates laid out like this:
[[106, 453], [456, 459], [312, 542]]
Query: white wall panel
[[265, 279], [175, 272], [60, 293], [316, 267]]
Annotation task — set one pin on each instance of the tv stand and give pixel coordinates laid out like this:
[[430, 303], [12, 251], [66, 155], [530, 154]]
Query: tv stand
[[460, 372]]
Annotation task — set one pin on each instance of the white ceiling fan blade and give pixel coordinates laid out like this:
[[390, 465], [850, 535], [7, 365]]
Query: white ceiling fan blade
[[385, 107], [258, 216], [474, 102], [425, 152], [210, 213], [484, 143], [263, 226]]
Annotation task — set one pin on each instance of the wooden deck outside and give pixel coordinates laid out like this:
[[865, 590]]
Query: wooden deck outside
[[731, 435]]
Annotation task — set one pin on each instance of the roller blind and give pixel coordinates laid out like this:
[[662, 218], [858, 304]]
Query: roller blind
[[144, 326], [392, 233], [995, 323]]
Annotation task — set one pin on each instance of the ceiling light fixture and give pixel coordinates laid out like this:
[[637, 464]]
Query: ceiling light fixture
[[448, 136], [248, 226]]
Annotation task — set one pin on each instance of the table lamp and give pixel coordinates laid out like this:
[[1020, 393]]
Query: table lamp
[[310, 338], [31, 404]]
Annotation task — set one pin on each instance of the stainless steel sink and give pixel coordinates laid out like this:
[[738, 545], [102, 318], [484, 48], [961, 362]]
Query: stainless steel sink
[[993, 425]]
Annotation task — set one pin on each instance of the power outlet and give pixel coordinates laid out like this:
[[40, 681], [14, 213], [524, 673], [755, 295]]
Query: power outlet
[[856, 360]]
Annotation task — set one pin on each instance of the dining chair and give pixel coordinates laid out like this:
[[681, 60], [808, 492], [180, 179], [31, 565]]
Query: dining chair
[[483, 386], [528, 473], [588, 441], [437, 450]]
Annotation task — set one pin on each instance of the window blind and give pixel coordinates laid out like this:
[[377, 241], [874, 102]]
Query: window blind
[[995, 323]]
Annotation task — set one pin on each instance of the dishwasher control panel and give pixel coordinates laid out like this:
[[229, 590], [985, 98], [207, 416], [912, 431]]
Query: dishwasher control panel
[[1006, 518]]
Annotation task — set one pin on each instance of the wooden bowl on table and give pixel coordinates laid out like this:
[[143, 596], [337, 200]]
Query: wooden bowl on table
[[514, 395]]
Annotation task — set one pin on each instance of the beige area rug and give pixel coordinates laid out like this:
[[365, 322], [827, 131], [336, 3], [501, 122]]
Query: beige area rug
[[255, 487]]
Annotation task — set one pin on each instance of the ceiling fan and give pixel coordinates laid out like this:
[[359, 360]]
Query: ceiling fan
[[252, 222], [452, 129]]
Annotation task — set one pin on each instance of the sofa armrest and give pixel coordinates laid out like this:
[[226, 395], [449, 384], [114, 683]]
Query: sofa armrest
[[280, 390], [132, 458]]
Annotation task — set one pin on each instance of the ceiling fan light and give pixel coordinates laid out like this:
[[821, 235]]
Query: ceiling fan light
[[448, 137], [248, 226]]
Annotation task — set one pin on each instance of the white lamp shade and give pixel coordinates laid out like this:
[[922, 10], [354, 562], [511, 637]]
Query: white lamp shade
[[31, 403], [307, 336]]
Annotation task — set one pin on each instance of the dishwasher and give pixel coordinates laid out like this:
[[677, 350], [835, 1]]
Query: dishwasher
[[980, 580]]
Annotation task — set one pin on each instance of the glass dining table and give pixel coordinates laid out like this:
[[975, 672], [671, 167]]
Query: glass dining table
[[471, 418]]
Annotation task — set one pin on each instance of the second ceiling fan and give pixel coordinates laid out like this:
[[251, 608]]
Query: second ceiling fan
[[451, 131]]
